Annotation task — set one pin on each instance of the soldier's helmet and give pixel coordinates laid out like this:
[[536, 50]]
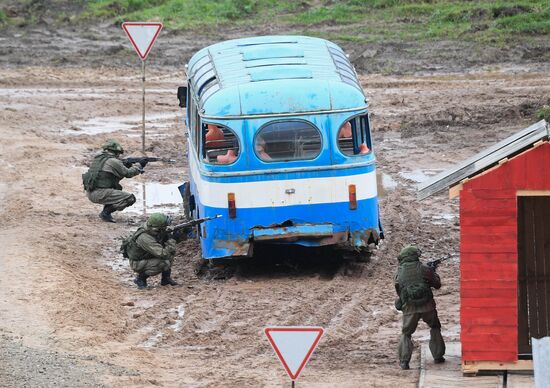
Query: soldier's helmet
[[409, 251], [158, 220], [113, 146]]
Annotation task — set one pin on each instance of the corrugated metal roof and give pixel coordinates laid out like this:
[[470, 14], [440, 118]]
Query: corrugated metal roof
[[484, 160], [234, 67]]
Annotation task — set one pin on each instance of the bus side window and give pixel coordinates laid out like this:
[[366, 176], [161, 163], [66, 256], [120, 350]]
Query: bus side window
[[220, 144], [354, 136]]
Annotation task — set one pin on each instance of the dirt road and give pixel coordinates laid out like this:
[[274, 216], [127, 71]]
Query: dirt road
[[67, 299]]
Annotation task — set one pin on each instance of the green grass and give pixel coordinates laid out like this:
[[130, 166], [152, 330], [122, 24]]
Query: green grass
[[376, 21], [188, 14], [3, 17], [543, 113]]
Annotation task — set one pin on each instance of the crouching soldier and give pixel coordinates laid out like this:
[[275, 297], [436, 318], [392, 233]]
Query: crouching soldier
[[413, 283], [151, 250], [101, 182]]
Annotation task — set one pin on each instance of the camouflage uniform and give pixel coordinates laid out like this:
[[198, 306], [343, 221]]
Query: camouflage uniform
[[150, 251], [102, 181], [413, 283]]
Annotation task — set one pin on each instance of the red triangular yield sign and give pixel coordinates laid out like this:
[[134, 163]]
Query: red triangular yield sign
[[142, 36], [294, 346]]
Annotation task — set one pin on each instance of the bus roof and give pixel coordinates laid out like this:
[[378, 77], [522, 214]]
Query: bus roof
[[273, 75]]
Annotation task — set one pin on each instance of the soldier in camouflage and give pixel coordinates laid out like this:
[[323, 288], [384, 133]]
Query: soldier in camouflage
[[101, 182], [413, 283], [151, 251]]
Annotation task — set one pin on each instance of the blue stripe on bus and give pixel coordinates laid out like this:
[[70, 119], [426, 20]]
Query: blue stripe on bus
[[224, 236]]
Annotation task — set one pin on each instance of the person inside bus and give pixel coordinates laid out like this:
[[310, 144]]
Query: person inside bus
[[260, 149], [213, 136], [347, 133], [228, 158]]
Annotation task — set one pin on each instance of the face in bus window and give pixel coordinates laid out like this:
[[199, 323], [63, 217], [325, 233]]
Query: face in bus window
[[345, 131], [260, 149], [213, 136]]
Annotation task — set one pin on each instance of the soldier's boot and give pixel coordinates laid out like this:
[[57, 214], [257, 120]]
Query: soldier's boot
[[439, 360], [105, 214], [404, 365], [141, 281], [166, 280]]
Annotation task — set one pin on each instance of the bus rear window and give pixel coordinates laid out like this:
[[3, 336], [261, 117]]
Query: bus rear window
[[287, 140]]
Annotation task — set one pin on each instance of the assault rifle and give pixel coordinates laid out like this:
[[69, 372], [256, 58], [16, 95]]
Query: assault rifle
[[177, 231], [434, 263], [143, 160]]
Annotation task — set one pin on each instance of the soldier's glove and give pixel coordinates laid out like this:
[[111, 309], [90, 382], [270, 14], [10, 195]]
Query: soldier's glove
[[141, 170], [398, 304], [170, 245]]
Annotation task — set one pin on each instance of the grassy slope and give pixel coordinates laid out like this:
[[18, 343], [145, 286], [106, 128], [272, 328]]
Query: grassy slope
[[360, 21]]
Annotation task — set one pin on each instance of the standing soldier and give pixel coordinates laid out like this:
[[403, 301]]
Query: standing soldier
[[101, 182], [151, 251], [413, 283]]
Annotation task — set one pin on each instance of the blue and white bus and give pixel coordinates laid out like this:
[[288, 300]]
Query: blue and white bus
[[279, 145]]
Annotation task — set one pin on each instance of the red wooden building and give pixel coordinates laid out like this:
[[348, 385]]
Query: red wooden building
[[504, 253]]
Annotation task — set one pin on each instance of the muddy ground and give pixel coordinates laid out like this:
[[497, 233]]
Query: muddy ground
[[70, 314]]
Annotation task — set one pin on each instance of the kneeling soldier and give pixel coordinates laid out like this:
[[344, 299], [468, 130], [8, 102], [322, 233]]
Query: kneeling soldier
[[151, 251], [101, 182]]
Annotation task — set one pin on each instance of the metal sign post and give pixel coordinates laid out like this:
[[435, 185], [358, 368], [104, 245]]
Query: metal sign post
[[142, 36], [143, 107]]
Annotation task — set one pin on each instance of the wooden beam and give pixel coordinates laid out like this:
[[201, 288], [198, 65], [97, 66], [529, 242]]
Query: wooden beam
[[473, 367], [533, 193]]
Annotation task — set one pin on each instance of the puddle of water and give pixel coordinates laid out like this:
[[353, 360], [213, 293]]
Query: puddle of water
[[62, 93], [179, 322], [156, 197], [99, 125], [419, 176], [442, 219], [384, 183], [15, 106], [152, 341]]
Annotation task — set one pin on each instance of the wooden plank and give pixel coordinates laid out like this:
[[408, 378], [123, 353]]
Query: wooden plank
[[476, 366], [533, 193], [468, 220], [491, 266], [505, 293], [455, 190], [502, 245], [505, 257], [482, 231], [488, 356], [524, 250], [475, 318], [481, 283], [489, 193], [540, 311], [488, 302], [499, 330], [480, 212], [484, 159], [488, 312]]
